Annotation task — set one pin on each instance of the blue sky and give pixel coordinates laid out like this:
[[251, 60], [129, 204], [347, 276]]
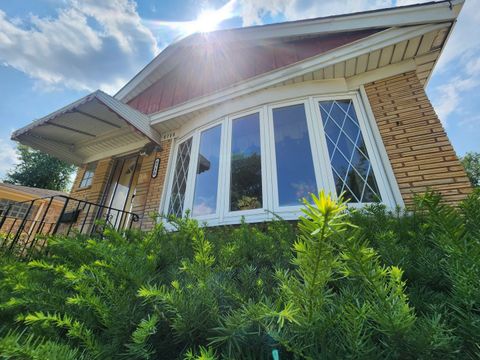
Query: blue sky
[[54, 51]]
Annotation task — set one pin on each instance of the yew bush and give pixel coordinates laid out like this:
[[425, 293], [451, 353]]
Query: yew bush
[[367, 284]]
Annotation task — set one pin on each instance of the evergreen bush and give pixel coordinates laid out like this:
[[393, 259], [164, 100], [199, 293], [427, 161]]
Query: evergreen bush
[[365, 284]]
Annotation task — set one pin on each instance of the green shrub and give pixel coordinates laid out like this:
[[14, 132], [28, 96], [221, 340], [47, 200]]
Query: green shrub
[[366, 284]]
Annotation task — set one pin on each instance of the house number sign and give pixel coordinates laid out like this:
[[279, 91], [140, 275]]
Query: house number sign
[[156, 166]]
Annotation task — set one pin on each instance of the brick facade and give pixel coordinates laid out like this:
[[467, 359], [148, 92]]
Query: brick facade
[[421, 155], [148, 191], [94, 192]]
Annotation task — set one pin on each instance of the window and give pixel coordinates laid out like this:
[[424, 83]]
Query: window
[[180, 177], [17, 209], [87, 177], [294, 163], [269, 158], [349, 159], [246, 166], [208, 162]]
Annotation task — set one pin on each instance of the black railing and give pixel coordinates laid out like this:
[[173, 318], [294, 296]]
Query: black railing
[[56, 215]]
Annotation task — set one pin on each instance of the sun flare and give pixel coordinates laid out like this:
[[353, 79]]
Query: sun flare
[[207, 21]]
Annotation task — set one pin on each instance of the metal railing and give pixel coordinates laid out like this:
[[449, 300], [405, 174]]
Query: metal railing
[[57, 215]]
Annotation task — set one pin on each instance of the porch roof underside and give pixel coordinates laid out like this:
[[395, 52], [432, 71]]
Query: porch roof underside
[[94, 127]]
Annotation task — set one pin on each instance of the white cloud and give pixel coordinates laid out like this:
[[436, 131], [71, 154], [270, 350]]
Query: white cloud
[[463, 44], [88, 45], [461, 58], [8, 156], [449, 96], [253, 11]]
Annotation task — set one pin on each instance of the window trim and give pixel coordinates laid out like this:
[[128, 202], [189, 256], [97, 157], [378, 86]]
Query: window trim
[[316, 155], [171, 174], [86, 170], [320, 156], [260, 212], [195, 153], [372, 149]]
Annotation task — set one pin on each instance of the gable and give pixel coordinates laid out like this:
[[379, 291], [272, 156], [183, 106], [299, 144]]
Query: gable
[[208, 67]]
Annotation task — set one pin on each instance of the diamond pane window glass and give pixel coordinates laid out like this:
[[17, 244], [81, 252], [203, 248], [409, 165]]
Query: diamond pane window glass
[[351, 166], [206, 183], [246, 167], [295, 173], [179, 186]]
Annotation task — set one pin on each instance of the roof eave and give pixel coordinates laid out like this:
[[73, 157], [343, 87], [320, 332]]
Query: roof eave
[[125, 117]]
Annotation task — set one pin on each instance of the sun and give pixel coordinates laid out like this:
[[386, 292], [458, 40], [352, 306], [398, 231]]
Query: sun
[[207, 21]]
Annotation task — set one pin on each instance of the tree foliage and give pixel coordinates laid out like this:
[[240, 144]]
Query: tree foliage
[[471, 163], [40, 170], [369, 284]]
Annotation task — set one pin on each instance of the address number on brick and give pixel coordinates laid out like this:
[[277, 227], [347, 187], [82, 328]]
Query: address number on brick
[[156, 166]]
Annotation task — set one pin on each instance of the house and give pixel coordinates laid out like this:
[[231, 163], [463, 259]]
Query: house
[[245, 122], [32, 204]]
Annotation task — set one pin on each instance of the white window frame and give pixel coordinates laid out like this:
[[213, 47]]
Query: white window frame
[[261, 213], [171, 174], [370, 143], [90, 170], [193, 171], [293, 211], [270, 199]]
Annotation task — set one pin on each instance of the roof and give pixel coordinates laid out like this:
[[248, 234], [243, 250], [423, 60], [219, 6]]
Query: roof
[[408, 15], [35, 192], [95, 123], [212, 66]]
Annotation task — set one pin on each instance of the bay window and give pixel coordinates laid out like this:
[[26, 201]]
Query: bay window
[[269, 158]]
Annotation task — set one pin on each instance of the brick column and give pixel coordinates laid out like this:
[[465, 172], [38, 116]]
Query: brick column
[[149, 191]]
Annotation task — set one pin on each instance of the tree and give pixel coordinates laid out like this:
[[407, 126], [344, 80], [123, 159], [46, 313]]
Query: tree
[[471, 162], [40, 170]]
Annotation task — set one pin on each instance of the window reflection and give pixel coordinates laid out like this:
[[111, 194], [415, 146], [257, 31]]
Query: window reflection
[[352, 170], [295, 172], [246, 168], [206, 183]]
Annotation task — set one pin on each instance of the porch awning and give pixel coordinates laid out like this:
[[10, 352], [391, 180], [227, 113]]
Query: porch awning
[[94, 127]]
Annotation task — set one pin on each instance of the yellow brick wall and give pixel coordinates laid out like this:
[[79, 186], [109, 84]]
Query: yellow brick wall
[[421, 155], [149, 191], [94, 192]]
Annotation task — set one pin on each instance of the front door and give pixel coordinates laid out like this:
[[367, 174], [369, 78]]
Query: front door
[[120, 193]]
